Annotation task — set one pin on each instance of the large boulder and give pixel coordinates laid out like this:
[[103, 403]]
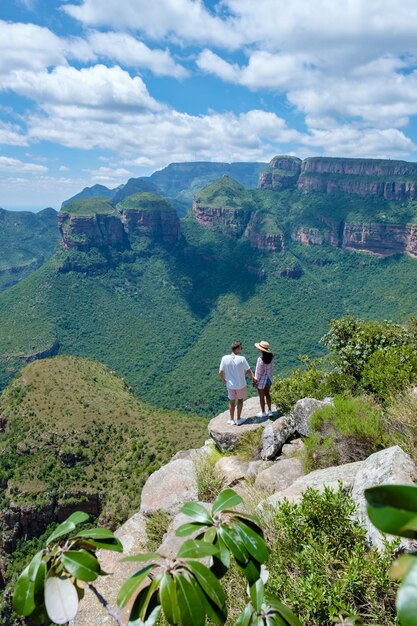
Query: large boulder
[[226, 436], [92, 613], [319, 479], [303, 410], [231, 469], [390, 466], [170, 487], [280, 475], [296, 447], [275, 434]]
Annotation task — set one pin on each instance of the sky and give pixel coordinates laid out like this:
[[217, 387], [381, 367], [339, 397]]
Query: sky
[[99, 91]]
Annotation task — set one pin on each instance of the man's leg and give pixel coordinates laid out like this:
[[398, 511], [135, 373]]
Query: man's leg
[[232, 409], [239, 408]]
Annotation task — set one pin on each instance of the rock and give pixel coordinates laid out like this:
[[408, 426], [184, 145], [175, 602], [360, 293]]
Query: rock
[[319, 479], [275, 434], [255, 467], [168, 488], [226, 435], [280, 475], [303, 410], [133, 537], [231, 469], [171, 543], [390, 466], [295, 447]]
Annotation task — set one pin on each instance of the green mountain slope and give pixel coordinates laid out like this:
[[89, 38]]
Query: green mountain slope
[[26, 241], [74, 430]]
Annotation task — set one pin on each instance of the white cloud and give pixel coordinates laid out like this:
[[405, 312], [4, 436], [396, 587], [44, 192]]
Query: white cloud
[[181, 20], [28, 47], [108, 176], [127, 50], [10, 165], [10, 135]]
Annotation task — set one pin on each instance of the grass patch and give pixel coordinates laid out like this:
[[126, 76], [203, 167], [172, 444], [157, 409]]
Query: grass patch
[[156, 526], [208, 481], [249, 445]]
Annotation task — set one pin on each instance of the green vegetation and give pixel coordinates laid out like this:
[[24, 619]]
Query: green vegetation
[[86, 207], [144, 201], [74, 430], [321, 564]]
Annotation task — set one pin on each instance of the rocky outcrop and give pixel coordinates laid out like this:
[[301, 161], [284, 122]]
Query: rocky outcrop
[[161, 226], [49, 351], [381, 239], [169, 487], [280, 475], [275, 435], [225, 220], [93, 231], [282, 173], [260, 238], [304, 409], [231, 469]]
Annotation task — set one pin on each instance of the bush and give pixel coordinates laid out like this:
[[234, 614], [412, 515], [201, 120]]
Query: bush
[[208, 481], [390, 371], [401, 423], [321, 563], [349, 430]]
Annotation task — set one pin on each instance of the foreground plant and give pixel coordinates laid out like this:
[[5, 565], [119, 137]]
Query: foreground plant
[[393, 510], [186, 590]]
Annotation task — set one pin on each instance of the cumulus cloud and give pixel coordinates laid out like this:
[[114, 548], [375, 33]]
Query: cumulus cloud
[[28, 47], [15, 165], [11, 135]]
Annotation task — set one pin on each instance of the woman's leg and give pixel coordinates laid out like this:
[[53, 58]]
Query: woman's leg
[[261, 393], [267, 398]]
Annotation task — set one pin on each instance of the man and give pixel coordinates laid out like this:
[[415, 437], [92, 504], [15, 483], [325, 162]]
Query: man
[[233, 368]]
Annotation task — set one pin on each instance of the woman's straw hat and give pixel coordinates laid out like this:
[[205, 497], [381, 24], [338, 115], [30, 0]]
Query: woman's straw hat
[[263, 345]]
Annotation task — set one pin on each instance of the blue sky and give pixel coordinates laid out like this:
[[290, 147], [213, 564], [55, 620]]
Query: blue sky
[[97, 92]]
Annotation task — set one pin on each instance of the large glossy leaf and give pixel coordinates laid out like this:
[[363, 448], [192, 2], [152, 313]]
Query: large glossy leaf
[[191, 610], [208, 582], [392, 507], [210, 535], [288, 616], [251, 570], [197, 512], [234, 543], [81, 564], [106, 544], [145, 601], [245, 617], [192, 549], [151, 621], [257, 594], [189, 528], [145, 556], [132, 584], [254, 543], [23, 597], [226, 499], [168, 598], [402, 565], [68, 526], [96, 533], [407, 598], [61, 599], [215, 614]]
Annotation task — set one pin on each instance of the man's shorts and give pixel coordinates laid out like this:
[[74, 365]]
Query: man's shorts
[[237, 394]]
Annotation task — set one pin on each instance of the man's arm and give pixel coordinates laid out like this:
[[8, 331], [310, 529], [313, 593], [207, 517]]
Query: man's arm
[[222, 376], [250, 374]]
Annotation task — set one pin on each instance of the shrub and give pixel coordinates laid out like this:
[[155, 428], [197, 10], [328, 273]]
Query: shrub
[[347, 431], [208, 481], [249, 445], [321, 563], [401, 423], [390, 371]]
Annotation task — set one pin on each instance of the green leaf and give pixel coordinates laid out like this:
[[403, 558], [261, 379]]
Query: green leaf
[[191, 611], [197, 512], [81, 564], [254, 543], [234, 543], [214, 613], [210, 535], [131, 585], [96, 533], [39, 615], [208, 582], [407, 598], [257, 594], [109, 544], [145, 601], [168, 598], [68, 526], [61, 599], [23, 597], [392, 507], [224, 554], [225, 500], [245, 618], [285, 613], [187, 529], [402, 565], [151, 621], [251, 570], [146, 556], [192, 549]]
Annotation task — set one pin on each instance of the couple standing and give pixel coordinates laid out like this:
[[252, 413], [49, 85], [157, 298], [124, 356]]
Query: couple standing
[[232, 371]]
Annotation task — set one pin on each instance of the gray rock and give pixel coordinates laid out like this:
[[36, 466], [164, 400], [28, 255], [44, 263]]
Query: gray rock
[[295, 447], [169, 487], [304, 409], [390, 466], [255, 467], [226, 436], [280, 475], [91, 613], [319, 479], [275, 434], [231, 469]]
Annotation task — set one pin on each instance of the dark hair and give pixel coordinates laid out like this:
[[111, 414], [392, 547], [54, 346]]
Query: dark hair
[[267, 357], [236, 344]]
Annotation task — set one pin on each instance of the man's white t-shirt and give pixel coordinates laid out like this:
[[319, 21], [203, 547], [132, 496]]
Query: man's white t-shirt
[[234, 368]]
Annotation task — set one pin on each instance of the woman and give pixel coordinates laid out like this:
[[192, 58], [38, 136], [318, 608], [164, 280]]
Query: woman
[[264, 374]]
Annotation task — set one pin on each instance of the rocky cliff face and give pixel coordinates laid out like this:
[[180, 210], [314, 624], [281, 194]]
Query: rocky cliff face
[[162, 226], [95, 231], [224, 219], [283, 173]]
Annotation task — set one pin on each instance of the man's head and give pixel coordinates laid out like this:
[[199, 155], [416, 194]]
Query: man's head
[[237, 347]]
